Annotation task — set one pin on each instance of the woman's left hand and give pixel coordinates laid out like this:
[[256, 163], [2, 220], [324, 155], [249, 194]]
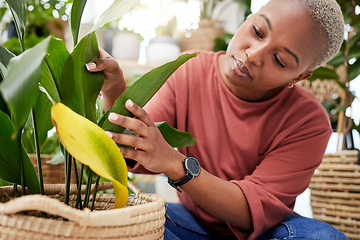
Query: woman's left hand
[[149, 148]]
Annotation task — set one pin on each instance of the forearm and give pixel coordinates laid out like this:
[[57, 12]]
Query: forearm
[[218, 197]]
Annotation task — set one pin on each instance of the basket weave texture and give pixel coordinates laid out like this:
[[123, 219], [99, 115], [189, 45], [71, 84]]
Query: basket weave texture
[[202, 38], [322, 90], [335, 192], [52, 174], [142, 218]]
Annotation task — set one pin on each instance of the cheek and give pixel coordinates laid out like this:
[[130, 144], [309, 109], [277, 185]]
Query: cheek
[[271, 77], [241, 39]]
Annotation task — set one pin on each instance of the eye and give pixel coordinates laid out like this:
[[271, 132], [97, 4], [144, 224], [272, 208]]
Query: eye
[[277, 60], [258, 33]]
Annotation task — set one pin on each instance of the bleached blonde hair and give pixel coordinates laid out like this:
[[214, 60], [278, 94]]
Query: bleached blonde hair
[[328, 15]]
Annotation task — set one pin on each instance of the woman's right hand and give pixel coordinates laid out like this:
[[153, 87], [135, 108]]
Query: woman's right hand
[[114, 81]]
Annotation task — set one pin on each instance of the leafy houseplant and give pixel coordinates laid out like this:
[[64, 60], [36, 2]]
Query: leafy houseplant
[[47, 74], [335, 189], [344, 68]]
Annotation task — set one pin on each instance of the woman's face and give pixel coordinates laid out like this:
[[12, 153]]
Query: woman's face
[[273, 48]]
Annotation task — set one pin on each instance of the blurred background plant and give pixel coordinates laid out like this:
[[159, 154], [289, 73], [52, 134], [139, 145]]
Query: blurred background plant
[[44, 18], [343, 69]]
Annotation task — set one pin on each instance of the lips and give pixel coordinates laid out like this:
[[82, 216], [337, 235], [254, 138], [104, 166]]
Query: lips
[[240, 68]]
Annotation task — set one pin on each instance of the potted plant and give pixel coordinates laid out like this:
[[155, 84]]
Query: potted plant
[[335, 189], [210, 26], [45, 75]]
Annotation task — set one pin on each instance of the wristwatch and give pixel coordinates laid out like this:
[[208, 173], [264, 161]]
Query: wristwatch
[[192, 169]]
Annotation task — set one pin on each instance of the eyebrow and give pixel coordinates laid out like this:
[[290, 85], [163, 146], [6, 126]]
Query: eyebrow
[[286, 49], [294, 55], [267, 21]]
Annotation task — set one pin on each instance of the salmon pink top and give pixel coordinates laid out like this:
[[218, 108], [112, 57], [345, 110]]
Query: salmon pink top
[[269, 149]]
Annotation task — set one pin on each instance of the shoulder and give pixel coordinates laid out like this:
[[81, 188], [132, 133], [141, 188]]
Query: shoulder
[[307, 111]]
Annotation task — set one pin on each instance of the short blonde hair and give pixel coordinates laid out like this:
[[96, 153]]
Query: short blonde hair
[[328, 15]]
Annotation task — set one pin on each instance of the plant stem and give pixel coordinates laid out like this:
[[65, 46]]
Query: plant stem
[[37, 148], [67, 176], [95, 192], [88, 189], [76, 172], [78, 197], [22, 170], [15, 190]]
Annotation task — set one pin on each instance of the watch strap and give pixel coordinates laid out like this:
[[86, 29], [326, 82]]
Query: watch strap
[[182, 181]]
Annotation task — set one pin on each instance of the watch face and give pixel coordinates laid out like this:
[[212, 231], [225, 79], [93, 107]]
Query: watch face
[[193, 166]]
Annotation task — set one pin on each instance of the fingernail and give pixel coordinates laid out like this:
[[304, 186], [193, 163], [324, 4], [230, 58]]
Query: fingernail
[[90, 66], [113, 116], [109, 133], [130, 103]]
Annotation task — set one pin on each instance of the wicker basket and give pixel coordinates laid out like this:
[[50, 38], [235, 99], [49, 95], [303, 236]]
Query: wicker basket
[[202, 38], [52, 174], [335, 192], [142, 218], [322, 90]]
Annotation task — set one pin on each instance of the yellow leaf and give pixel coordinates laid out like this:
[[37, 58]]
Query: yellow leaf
[[90, 145]]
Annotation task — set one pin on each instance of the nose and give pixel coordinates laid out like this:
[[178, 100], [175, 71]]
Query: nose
[[256, 53]]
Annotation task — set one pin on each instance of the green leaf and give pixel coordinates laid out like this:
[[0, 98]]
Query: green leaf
[[338, 60], [354, 52], [4, 183], [10, 160], [55, 59], [115, 11], [3, 71], [3, 106], [143, 90], [79, 88], [323, 73], [75, 18], [18, 10], [5, 56], [173, 136], [354, 70], [20, 87], [90, 145], [43, 117]]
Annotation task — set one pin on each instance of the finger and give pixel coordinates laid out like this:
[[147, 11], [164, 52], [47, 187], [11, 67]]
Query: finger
[[133, 154], [103, 53], [133, 124], [139, 112], [129, 140], [107, 64]]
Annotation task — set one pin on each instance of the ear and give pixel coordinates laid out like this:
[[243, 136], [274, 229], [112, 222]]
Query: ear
[[302, 76]]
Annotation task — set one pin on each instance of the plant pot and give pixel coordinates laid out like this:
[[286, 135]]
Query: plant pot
[[335, 192], [202, 38], [126, 45], [161, 50], [52, 174], [142, 218]]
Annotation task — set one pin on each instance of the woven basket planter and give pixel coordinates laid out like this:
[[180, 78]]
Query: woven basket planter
[[52, 174], [202, 38], [335, 192], [142, 218]]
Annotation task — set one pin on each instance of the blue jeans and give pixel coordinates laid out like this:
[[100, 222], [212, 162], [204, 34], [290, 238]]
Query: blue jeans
[[180, 224]]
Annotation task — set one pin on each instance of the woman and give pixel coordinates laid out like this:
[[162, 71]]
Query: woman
[[260, 137]]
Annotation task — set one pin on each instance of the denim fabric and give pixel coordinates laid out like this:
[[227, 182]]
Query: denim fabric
[[298, 227], [180, 224]]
